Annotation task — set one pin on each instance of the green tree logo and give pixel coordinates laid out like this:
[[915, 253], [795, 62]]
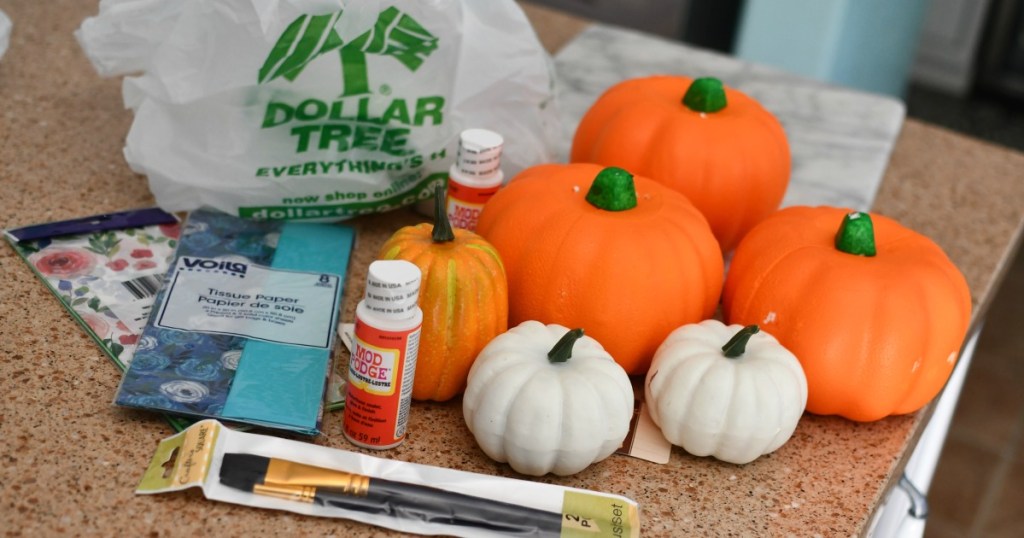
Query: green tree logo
[[308, 37]]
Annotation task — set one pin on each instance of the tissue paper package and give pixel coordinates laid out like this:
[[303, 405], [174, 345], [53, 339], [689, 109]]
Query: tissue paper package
[[105, 269], [243, 326], [319, 109]]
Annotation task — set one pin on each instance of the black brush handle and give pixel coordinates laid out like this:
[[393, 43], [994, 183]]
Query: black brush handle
[[406, 501], [428, 504]]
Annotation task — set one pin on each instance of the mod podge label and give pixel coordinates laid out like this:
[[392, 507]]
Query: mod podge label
[[372, 368], [465, 204], [228, 296], [380, 381]]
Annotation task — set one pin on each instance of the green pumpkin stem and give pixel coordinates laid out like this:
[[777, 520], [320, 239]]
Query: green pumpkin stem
[[442, 227], [705, 95], [738, 343], [612, 190], [562, 350], [856, 235]]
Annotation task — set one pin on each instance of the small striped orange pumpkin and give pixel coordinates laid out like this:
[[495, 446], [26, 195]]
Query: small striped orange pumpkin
[[463, 295]]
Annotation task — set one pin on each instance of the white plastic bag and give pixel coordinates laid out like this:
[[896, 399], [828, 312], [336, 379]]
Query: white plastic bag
[[319, 109], [5, 32]]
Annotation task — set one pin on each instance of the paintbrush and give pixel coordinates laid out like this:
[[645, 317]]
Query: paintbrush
[[327, 487]]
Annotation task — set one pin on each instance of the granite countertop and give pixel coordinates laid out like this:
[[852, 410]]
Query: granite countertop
[[71, 460]]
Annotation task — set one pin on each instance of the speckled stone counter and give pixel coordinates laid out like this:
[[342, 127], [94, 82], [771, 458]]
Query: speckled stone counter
[[70, 461]]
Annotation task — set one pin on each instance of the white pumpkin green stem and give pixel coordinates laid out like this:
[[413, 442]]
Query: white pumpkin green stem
[[737, 345], [705, 95], [612, 190], [562, 350], [856, 235], [442, 227]]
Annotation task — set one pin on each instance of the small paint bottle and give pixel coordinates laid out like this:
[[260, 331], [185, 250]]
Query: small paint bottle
[[475, 176], [383, 360]]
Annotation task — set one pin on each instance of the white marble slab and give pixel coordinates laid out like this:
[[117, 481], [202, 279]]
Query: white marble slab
[[840, 139]]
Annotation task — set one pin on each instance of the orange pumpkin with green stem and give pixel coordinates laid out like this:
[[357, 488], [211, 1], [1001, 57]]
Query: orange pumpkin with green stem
[[876, 313], [714, 144], [463, 295], [624, 257]]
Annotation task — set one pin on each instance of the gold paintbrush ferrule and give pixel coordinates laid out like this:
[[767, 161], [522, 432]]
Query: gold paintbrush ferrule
[[289, 473], [302, 494]]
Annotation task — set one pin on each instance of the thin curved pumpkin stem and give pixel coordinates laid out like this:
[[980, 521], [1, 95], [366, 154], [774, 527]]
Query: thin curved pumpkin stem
[[562, 350], [737, 345], [442, 226]]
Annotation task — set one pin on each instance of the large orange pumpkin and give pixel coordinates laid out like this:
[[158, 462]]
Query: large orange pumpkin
[[623, 257], [714, 144], [876, 313], [463, 295]]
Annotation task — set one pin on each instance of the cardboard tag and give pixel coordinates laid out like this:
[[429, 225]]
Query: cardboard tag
[[644, 440]]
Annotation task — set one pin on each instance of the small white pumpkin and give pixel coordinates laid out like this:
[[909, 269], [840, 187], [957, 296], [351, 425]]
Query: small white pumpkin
[[725, 391], [547, 400]]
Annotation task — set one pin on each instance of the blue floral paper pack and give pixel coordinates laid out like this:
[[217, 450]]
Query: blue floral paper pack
[[187, 372]]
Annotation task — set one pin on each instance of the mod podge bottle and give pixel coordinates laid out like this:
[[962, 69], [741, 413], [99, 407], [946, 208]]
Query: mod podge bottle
[[383, 361], [475, 176]]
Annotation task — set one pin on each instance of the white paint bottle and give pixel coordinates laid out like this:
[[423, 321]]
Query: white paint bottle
[[382, 365], [475, 176]]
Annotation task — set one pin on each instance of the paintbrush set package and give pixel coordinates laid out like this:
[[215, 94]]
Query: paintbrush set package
[[243, 325], [269, 472]]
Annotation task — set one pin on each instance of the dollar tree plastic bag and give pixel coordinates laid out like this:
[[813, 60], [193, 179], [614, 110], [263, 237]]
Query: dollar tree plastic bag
[[318, 109]]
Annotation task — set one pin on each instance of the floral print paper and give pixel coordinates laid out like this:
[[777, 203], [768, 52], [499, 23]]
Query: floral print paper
[[89, 274]]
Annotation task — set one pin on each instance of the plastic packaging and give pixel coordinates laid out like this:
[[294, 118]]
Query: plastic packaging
[[280, 474], [475, 176], [5, 33], [243, 325], [382, 367], [294, 109], [105, 269]]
